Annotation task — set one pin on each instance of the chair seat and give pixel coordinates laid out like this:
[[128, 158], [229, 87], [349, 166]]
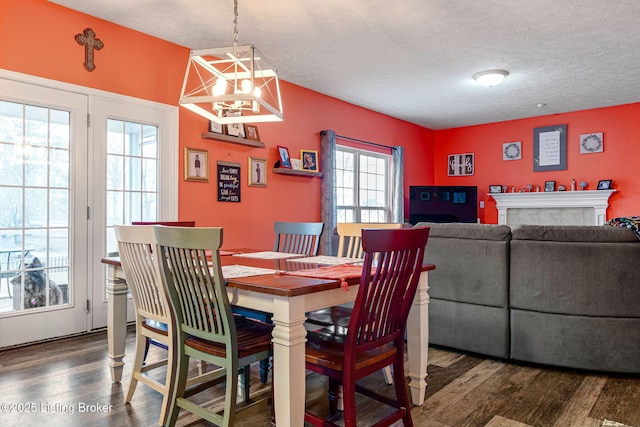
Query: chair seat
[[157, 327], [337, 315], [253, 337], [327, 350]]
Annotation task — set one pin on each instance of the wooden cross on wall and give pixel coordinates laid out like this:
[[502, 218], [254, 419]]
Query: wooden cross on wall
[[90, 42]]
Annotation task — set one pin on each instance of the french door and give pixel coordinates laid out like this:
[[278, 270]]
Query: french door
[[74, 162], [135, 179], [43, 202]]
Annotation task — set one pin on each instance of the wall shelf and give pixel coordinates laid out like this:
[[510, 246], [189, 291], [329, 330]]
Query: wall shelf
[[232, 139], [286, 171]]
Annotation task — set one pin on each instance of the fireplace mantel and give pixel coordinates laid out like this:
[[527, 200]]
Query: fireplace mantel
[[595, 201]]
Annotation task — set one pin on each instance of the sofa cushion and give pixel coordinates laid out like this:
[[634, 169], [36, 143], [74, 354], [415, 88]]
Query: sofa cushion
[[579, 270], [457, 230], [573, 233], [472, 263]]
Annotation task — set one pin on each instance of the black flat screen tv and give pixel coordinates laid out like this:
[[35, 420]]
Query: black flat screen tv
[[438, 203]]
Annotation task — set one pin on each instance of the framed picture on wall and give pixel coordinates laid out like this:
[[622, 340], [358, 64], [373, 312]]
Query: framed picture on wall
[[257, 172], [495, 189], [196, 165], [550, 148], [604, 184], [550, 186]]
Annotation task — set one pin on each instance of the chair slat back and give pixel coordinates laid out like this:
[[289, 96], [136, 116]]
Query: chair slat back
[[350, 233], [136, 245], [195, 284], [384, 299], [298, 237]]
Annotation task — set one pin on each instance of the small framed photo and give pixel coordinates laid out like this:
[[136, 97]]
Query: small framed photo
[[236, 129], [495, 189], [309, 160], [257, 172], [550, 186], [196, 165], [252, 132], [604, 184], [285, 159], [216, 127], [296, 164]]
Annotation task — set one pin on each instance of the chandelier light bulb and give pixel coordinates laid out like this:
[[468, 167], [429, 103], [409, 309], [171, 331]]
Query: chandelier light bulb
[[491, 77], [246, 86], [220, 87]]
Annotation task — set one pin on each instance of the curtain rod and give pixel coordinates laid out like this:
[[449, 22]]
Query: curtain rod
[[365, 142]]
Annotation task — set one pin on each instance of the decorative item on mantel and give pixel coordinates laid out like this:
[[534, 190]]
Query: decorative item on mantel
[[583, 185], [234, 84]]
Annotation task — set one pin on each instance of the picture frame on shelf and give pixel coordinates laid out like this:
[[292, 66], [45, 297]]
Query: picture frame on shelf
[[285, 158], [309, 159], [296, 164], [257, 172], [216, 127], [252, 132], [604, 184], [196, 165], [236, 129], [549, 186], [495, 189]]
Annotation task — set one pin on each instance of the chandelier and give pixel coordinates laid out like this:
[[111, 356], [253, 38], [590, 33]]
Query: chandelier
[[233, 84]]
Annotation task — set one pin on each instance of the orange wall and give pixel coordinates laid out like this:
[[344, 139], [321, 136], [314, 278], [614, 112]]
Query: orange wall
[[37, 38], [620, 128]]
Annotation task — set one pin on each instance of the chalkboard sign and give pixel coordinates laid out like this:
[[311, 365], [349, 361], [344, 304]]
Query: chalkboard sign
[[228, 182]]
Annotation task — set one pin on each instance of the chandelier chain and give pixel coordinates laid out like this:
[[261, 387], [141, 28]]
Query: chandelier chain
[[235, 22]]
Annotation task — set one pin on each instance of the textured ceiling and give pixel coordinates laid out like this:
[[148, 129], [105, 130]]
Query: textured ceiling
[[414, 59]]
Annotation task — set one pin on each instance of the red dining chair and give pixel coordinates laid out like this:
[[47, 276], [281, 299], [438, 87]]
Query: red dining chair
[[375, 334]]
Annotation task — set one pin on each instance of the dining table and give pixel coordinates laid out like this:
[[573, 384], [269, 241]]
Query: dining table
[[276, 283]]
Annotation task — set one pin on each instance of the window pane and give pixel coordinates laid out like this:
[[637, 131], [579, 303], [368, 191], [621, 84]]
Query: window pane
[[10, 164], [133, 174], [35, 207], [115, 136], [36, 166], [58, 214], [11, 122], [59, 170], [115, 172], [133, 139], [149, 175], [11, 212], [36, 125], [59, 128], [150, 138]]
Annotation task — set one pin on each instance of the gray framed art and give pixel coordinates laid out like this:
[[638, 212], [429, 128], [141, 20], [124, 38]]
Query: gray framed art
[[550, 148]]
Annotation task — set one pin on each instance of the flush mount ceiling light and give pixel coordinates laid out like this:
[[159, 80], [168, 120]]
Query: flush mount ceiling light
[[490, 77], [232, 84]]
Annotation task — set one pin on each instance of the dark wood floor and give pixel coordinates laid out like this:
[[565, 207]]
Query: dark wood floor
[[55, 378]]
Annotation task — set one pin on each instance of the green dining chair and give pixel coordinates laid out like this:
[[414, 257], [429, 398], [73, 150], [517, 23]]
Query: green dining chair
[[298, 237], [207, 328]]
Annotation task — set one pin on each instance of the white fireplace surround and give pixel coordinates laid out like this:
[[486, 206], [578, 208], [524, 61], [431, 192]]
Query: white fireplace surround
[[588, 207]]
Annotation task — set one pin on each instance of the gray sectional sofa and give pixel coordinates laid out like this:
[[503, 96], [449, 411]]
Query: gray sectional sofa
[[557, 295]]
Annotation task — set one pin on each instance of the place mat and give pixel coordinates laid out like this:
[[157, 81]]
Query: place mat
[[267, 255], [236, 270], [338, 272], [327, 260]]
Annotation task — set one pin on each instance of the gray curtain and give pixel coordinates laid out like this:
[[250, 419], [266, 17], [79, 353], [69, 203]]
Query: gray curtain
[[397, 184], [328, 211]]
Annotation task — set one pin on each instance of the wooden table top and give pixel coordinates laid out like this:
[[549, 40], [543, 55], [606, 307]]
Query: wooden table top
[[275, 284]]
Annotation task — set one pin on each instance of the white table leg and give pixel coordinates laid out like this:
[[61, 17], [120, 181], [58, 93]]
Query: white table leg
[[418, 341], [116, 322], [289, 337]]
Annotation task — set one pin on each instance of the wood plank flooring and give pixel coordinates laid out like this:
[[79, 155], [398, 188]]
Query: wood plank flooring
[[67, 383]]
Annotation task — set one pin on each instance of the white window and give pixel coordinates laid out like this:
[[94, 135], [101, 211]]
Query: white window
[[362, 185]]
